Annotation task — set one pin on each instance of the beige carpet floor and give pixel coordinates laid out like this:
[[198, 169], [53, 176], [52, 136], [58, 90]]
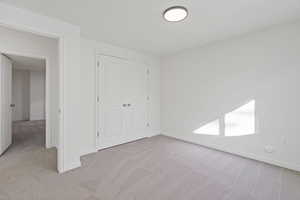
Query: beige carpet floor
[[149, 169]]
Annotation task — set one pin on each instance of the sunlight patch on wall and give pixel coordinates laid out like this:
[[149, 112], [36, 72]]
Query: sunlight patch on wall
[[241, 121], [211, 128], [238, 122]]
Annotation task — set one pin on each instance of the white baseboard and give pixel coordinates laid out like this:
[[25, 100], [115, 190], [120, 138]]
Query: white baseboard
[[145, 135], [154, 133], [278, 163], [71, 165], [88, 151]]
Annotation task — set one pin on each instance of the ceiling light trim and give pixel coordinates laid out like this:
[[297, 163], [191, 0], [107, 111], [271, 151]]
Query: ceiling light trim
[[174, 8]]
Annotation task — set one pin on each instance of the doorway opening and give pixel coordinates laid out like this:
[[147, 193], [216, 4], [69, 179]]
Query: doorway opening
[[28, 103]]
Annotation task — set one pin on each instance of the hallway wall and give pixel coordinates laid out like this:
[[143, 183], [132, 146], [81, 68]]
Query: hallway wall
[[20, 94], [37, 95]]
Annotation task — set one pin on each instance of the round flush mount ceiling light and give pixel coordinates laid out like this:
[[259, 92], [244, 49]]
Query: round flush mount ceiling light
[[175, 13]]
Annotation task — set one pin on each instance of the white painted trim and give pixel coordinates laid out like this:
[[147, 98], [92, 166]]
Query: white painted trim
[[1, 146], [291, 166], [88, 151], [61, 139], [126, 58], [49, 132], [154, 133], [71, 166], [95, 98]]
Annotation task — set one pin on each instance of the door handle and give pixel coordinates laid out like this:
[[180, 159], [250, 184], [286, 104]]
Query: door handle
[[12, 105], [128, 104], [124, 105]]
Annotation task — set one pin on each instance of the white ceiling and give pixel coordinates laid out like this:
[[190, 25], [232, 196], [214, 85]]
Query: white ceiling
[[138, 24], [27, 63]]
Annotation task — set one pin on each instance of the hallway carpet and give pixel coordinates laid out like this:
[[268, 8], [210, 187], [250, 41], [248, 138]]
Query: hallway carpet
[[149, 169]]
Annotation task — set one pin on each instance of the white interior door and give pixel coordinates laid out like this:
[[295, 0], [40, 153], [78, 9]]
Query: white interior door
[[5, 106], [121, 110]]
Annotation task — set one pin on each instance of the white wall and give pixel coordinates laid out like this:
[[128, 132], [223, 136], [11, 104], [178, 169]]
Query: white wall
[[20, 94], [204, 83], [28, 95], [32, 45], [37, 95], [89, 49]]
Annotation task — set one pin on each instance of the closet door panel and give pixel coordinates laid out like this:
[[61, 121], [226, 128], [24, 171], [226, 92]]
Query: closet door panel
[[110, 109], [122, 111], [137, 96]]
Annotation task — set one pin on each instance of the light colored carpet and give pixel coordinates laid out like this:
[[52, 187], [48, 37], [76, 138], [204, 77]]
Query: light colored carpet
[[148, 169]]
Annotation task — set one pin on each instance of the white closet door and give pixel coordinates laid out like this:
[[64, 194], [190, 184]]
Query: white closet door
[[110, 105], [5, 103], [136, 98], [121, 110]]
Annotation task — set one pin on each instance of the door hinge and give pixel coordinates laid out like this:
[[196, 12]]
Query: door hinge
[[98, 99], [98, 134], [148, 124], [98, 63], [148, 71], [148, 98]]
